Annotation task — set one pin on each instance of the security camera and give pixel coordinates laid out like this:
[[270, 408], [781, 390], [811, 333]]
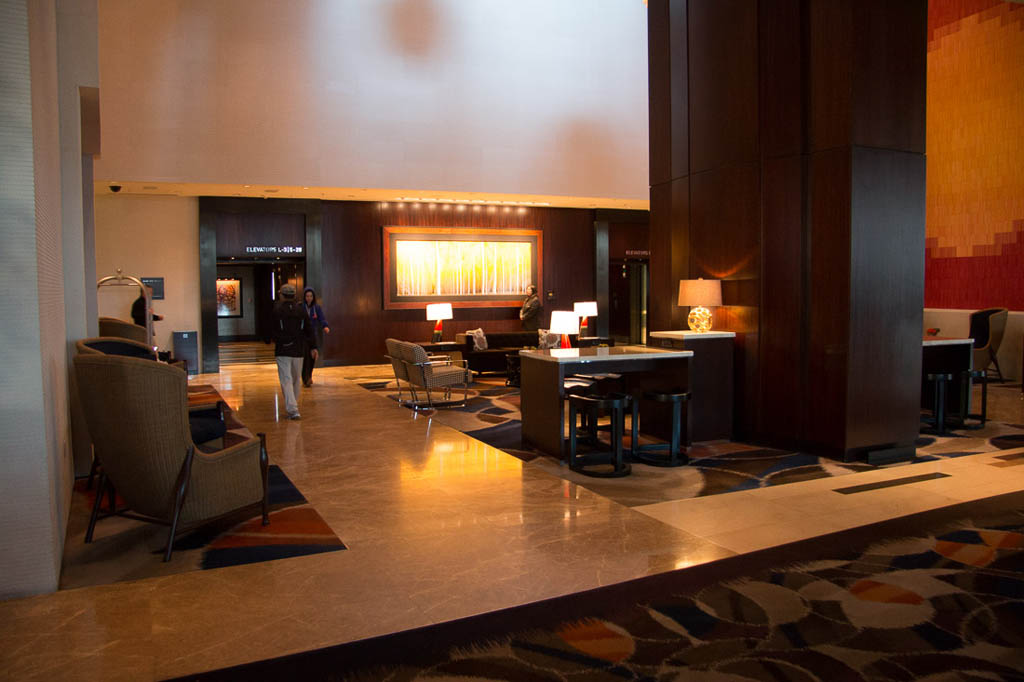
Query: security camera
[[115, 188]]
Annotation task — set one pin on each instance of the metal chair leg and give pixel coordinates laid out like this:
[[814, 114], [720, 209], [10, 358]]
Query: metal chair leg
[[179, 499], [100, 492], [265, 471]]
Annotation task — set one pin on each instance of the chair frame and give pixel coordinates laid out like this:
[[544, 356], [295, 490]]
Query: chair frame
[[105, 486]]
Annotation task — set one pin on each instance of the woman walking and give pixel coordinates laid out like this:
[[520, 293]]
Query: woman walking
[[320, 327]]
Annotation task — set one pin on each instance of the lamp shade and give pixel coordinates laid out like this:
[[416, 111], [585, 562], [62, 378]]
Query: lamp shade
[[585, 308], [700, 292], [564, 322], [439, 311]]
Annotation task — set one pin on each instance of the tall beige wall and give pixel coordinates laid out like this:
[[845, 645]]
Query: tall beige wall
[[531, 96], [150, 237], [36, 456]]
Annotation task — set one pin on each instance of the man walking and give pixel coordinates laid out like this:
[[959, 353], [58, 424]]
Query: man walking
[[292, 335]]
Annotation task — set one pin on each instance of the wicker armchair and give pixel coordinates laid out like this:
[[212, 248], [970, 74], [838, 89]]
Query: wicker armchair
[[430, 373], [137, 414], [115, 345], [111, 326]]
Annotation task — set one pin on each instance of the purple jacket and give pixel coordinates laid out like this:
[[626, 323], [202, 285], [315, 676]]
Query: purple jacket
[[315, 312]]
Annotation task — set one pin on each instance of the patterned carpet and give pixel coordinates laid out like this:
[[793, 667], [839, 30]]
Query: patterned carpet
[[937, 597], [492, 416]]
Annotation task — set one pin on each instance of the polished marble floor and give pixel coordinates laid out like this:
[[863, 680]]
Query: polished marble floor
[[439, 526]]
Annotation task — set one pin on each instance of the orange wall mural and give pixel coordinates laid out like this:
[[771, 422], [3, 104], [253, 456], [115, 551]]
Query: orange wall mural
[[975, 189]]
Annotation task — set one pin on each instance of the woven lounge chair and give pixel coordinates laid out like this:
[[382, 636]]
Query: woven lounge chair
[[111, 326], [137, 414]]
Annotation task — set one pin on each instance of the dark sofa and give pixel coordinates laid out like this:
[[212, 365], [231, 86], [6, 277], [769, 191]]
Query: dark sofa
[[499, 344]]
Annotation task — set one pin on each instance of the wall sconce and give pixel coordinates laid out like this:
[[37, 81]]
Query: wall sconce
[[564, 322], [439, 312], [699, 293], [585, 309]]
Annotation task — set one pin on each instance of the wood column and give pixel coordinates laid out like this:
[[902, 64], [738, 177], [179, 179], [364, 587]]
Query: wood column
[[787, 159]]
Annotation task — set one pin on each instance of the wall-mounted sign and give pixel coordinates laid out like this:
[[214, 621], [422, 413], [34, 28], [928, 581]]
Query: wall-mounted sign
[[274, 250], [157, 284], [637, 253]]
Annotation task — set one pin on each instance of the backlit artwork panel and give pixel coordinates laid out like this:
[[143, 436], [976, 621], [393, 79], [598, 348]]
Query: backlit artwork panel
[[467, 267], [451, 268]]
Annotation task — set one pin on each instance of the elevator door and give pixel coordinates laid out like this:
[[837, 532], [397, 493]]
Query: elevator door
[[627, 293]]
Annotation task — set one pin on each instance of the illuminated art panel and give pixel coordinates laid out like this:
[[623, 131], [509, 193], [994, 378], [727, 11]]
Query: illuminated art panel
[[467, 267]]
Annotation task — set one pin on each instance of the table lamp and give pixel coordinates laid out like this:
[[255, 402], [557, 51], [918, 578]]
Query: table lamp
[[565, 322], [439, 312], [698, 293], [585, 309]]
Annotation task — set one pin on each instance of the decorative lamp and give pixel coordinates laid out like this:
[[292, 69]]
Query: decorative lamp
[[698, 293], [564, 322], [439, 312], [585, 309]]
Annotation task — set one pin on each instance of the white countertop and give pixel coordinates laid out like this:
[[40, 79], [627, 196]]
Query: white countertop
[[942, 341], [688, 334], [603, 354]]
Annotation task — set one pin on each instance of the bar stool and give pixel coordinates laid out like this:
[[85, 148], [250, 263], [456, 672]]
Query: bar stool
[[670, 457], [939, 401], [966, 378], [591, 407]]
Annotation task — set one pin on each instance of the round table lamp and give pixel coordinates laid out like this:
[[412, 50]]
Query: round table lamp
[[698, 293]]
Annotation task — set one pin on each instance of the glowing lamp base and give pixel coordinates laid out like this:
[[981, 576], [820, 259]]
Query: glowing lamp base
[[699, 319]]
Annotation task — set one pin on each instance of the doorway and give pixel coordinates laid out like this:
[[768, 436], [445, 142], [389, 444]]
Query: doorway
[[628, 290], [245, 330]]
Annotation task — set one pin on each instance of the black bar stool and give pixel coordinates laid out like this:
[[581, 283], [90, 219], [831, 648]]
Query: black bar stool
[[966, 379], [939, 382], [670, 455], [591, 408]]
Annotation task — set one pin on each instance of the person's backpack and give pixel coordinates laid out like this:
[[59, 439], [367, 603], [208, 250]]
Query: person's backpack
[[292, 321]]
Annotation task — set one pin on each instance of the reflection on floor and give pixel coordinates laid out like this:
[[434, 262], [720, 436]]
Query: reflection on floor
[[439, 526]]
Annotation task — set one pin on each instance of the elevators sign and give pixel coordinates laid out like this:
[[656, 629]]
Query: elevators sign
[[273, 250]]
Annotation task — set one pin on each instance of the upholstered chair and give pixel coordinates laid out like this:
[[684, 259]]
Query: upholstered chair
[[987, 329], [136, 411], [432, 374], [110, 326]]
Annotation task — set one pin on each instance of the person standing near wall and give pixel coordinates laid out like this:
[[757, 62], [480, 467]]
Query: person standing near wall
[[293, 334], [530, 312], [320, 327], [139, 309]]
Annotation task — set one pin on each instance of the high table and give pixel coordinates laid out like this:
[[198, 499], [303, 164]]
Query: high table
[[941, 355], [711, 378], [543, 374]]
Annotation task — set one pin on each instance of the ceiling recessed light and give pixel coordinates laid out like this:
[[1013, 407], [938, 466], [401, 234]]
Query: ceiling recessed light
[[247, 186]]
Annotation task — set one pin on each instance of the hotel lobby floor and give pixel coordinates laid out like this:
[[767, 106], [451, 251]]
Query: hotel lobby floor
[[439, 526]]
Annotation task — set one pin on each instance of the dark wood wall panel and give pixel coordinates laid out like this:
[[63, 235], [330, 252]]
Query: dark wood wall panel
[[680, 92], [828, 300], [235, 231], [353, 271], [830, 72], [781, 414], [889, 112], [660, 311], [886, 296], [659, 86], [781, 64], [723, 88]]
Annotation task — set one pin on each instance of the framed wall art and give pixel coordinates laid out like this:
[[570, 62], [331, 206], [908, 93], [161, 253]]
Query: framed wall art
[[467, 267], [229, 297]]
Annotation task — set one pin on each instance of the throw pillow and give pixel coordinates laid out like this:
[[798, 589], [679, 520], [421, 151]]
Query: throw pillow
[[546, 340], [479, 339]]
